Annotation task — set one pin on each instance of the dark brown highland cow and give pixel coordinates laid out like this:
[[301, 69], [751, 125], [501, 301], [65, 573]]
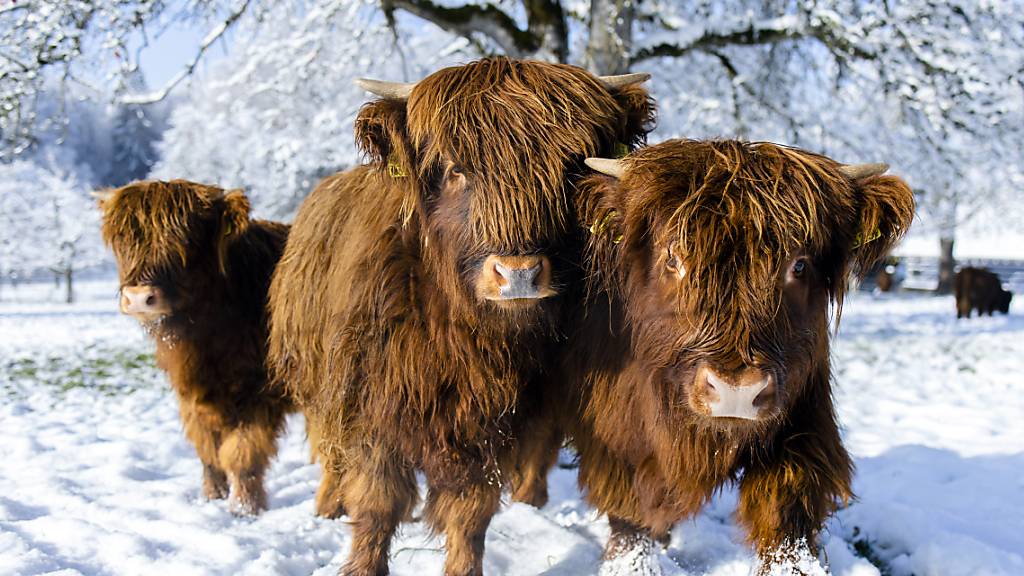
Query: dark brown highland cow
[[419, 297], [195, 270], [981, 290], [713, 266]]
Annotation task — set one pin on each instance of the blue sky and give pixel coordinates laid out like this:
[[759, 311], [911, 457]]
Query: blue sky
[[170, 50]]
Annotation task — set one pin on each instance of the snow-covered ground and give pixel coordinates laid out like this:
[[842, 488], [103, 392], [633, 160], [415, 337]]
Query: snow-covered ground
[[96, 477]]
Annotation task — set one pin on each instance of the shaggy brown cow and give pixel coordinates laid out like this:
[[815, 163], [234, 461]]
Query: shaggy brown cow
[[884, 280], [419, 297], [713, 266], [195, 270], [981, 290]]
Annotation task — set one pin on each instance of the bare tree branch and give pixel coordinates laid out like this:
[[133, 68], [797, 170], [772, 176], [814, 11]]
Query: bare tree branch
[[758, 33], [546, 22], [486, 19], [215, 34], [733, 74]]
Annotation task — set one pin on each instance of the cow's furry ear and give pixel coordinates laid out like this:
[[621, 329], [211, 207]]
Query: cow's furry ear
[[234, 221], [381, 135], [886, 209], [600, 208], [639, 114]]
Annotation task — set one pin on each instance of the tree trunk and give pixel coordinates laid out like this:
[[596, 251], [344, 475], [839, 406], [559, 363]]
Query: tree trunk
[[611, 36], [69, 294], [946, 266], [546, 21]]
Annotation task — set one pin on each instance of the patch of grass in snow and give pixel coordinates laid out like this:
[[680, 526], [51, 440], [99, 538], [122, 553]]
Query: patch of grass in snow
[[107, 370]]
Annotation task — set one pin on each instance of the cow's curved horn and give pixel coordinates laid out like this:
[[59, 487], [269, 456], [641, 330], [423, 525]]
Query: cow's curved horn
[[102, 195], [607, 166], [623, 80], [858, 171], [397, 90]]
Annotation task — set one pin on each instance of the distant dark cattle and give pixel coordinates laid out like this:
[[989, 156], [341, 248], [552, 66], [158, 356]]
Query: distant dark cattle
[[981, 290], [419, 301], [702, 356], [195, 270], [884, 280]]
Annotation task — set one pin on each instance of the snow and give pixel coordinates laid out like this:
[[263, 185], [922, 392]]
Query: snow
[[996, 245], [96, 477]]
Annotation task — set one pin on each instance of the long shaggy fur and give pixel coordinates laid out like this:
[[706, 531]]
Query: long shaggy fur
[[737, 214], [375, 325], [213, 264]]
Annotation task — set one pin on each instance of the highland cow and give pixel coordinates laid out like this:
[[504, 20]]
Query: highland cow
[[885, 279], [981, 290], [419, 301], [713, 266], [195, 270]]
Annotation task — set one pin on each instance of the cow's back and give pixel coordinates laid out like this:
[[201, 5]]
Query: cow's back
[[343, 229]]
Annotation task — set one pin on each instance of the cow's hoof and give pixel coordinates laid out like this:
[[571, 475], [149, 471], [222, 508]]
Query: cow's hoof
[[635, 555], [245, 503], [791, 560], [245, 509], [215, 485]]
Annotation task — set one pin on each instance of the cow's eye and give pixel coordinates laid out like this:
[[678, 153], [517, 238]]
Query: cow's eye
[[673, 263], [799, 268]]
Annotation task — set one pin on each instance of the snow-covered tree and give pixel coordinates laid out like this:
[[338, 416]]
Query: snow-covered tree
[[276, 115], [48, 222], [91, 45], [134, 131], [932, 87]]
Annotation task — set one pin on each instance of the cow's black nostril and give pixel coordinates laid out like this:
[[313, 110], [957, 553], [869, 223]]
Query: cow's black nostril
[[150, 300]]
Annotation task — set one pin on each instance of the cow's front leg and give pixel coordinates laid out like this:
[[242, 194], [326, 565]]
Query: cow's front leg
[[329, 498], [463, 514], [330, 501], [536, 456], [245, 455], [204, 428], [215, 482], [379, 491], [538, 444], [788, 492]]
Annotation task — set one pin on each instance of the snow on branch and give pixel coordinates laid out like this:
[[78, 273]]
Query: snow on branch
[[486, 19], [769, 31], [215, 34], [15, 6]]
